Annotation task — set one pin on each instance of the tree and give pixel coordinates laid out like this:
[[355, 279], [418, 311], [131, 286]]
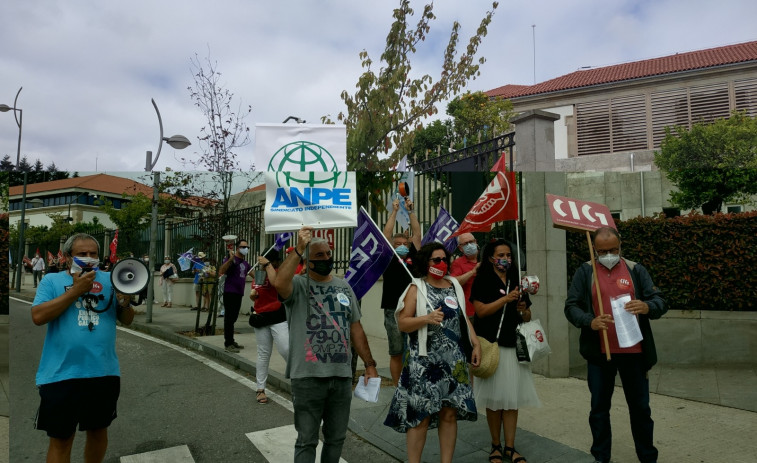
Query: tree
[[35, 174], [476, 117], [226, 130], [6, 165], [711, 163], [388, 107]]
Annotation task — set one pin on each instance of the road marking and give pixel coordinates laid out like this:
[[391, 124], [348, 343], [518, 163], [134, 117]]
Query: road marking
[[219, 368], [180, 454], [276, 444]]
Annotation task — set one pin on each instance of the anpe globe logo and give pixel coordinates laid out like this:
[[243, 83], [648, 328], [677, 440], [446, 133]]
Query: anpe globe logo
[[296, 164], [312, 179], [300, 156]]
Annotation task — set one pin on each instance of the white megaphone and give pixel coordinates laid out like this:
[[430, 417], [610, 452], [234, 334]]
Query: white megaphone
[[129, 276]]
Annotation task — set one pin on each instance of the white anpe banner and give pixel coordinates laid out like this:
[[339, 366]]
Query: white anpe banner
[[316, 199], [300, 147]]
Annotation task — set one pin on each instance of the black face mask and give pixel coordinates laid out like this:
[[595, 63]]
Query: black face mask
[[322, 267]]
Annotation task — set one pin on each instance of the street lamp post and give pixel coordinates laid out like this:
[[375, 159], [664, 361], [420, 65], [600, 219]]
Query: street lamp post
[[178, 142], [69, 218], [19, 115], [19, 122]]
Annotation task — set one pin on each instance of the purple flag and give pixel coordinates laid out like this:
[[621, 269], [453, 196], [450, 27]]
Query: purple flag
[[281, 240], [371, 255], [441, 230], [185, 260]]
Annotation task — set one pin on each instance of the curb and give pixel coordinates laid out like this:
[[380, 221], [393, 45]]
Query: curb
[[274, 378]]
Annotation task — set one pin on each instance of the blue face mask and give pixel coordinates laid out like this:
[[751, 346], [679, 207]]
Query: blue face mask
[[470, 249], [402, 250]]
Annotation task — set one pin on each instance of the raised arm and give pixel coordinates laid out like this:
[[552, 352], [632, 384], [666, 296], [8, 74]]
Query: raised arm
[[283, 280]]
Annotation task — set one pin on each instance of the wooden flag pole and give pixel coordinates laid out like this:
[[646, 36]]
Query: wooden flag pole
[[599, 293]]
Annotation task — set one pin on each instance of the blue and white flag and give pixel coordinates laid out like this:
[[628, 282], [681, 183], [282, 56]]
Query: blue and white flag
[[185, 260], [441, 230], [371, 255], [281, 240]]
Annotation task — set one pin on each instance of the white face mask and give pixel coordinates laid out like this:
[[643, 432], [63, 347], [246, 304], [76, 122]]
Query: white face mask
[[244, 251], [167, 261], [89, 263], [609, 260]]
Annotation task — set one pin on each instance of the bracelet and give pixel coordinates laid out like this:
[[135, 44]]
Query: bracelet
[[266, 264], [370, 363], [297, 252]]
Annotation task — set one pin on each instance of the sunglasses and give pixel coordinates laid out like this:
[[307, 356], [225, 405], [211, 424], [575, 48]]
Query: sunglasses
[[437, 260], [244, 247]]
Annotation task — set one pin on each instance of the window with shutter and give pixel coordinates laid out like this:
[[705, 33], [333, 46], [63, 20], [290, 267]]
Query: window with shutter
[[629, 123], [593, 127], [670, 108], [746, 96], [709, 103]]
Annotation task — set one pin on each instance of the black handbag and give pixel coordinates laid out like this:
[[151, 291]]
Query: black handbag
[[261, 320]]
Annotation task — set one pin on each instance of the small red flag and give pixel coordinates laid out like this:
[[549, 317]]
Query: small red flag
[[50, 258], [500, 165], [496, 204], [113, 247], [60, 256]]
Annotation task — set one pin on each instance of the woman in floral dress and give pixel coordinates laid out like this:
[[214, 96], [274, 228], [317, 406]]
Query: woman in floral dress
[[434, 388]]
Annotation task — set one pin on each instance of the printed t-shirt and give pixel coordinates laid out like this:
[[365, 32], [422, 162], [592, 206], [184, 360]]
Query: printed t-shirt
[[71, 350], [319, 317], [236, 275]]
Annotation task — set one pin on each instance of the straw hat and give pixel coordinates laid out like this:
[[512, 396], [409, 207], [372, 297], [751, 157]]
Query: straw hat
[[489, 358], [201, 255]]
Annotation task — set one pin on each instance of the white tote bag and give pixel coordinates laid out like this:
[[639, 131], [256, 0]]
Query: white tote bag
[[536, 339]]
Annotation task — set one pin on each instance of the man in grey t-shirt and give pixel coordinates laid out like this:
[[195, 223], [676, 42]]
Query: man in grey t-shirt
[[324, 317]]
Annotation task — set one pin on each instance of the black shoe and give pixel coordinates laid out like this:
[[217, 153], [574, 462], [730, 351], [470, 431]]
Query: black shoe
[[237, 345]]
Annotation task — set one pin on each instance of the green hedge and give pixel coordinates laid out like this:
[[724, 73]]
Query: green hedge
[[700, 262]]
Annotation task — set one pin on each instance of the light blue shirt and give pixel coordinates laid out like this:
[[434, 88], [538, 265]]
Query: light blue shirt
[[71, 349]]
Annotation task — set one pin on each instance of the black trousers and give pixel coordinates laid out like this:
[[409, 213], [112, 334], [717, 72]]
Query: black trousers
[[232, 302]]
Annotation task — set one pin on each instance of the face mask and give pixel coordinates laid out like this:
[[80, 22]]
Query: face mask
[[244, 251], [470, 249], [167, 261], [322, 267], [609, 260], [402, 250], [84, 263], [502, 264], [438, 271]]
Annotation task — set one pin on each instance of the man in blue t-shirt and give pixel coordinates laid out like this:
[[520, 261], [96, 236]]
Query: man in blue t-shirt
[[79, 376]]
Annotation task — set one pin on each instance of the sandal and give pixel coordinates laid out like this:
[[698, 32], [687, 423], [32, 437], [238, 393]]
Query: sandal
[[510, 451], [496, 458], [261, 397]]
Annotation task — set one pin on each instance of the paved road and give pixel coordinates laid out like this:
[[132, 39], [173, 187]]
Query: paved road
[[172, 400]]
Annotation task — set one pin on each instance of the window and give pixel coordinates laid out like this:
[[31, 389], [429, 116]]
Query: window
[[709, 103], [746, 96], [734, 209], [593, 127], [669, 108]]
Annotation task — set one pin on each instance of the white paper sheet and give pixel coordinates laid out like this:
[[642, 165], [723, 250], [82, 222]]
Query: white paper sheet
[[626, 324], [370, 392]]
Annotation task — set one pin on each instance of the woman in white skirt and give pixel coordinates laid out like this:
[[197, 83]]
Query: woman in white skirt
[[500, 307]]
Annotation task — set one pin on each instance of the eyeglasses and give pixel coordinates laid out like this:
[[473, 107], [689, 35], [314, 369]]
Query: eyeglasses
[[602, 252], [244, 247], [437, 260]]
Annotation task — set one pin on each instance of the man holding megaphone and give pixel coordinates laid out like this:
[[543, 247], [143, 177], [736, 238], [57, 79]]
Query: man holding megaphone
[[79, 376]]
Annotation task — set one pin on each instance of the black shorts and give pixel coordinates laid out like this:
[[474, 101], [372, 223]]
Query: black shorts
[[88, 402]]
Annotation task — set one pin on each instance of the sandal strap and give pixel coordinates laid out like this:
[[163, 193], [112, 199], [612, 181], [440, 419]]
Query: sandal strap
[[496, 448]]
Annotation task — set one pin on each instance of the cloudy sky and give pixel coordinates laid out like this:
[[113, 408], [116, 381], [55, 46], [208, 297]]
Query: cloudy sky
[[89, 69]]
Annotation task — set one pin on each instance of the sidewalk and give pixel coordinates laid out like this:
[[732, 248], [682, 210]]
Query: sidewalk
[[718, 424]]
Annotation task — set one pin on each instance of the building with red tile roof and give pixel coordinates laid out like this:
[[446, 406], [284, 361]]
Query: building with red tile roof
[[624, 108]]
